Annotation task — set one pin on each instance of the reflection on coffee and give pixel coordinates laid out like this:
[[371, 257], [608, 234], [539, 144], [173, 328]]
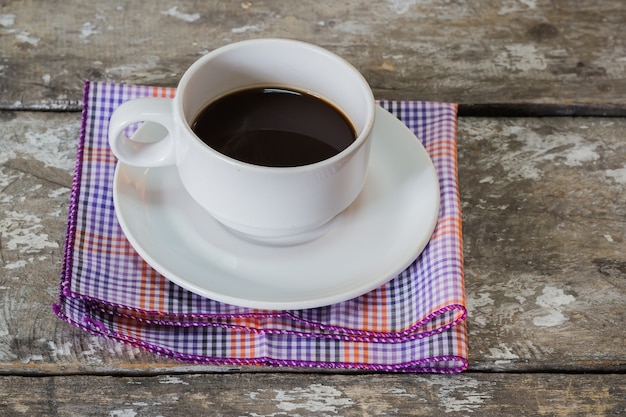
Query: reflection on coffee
[[274, 127]]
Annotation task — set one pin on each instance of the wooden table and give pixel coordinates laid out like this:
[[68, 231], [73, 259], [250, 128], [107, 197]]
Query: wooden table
[[542, 167]]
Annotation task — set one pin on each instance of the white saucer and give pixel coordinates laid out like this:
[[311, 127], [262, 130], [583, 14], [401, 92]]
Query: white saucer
[[376, 238]]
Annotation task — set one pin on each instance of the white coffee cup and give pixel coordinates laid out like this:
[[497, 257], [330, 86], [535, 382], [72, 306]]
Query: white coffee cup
[[286, 205]]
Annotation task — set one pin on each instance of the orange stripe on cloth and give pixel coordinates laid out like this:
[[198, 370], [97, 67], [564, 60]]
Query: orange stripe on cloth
[[95, 243], [243, 345], [99, 154], [153, 289], [375, 310], [163, 92], [447, 225], [356, 352], [441, 150], [128, 330]]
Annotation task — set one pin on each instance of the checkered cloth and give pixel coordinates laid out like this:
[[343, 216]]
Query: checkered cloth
[[414, 323]]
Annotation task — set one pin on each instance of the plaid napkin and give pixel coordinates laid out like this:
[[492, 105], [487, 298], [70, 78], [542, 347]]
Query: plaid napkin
[[414, 323]]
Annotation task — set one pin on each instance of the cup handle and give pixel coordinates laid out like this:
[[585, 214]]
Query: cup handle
[[137, 150]]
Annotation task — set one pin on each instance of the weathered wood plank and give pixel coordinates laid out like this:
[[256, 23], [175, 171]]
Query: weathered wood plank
[[544, 241], [568, 56], [315, 395]]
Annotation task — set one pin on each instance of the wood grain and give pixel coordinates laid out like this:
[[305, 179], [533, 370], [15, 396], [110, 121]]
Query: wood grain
[[315, 395], [544, 242], [566, 57]]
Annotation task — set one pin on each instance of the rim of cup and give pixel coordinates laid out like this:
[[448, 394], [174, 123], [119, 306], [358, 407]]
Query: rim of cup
[[358, 141]]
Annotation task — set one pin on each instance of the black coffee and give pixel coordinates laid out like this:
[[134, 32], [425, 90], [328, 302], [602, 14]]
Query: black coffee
[[274, 127]]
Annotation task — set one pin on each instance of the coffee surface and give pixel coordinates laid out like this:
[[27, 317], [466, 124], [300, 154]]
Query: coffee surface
[[274, 127]]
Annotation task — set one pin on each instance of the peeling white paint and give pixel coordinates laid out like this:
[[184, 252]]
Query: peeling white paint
[[58, 193], [25, 37], [6, 338], [483, 299], [401, 392], [551, 300], [502, 353], [316, 398], [32, 358], [148, 68], [532, 4], [48, 145], [119, 349], [7, 178], [527, 161], [459, 394], [401, 6], [94, 347], [173, 12], [126, 412], [479, 306], [618, 175], [529, 172], [521, 57], [168, 379], [7, 20], [5, 351], [88, 29], [60, 351], [21, 263], [580, 154], [247, 28], [513, 6], [21, 231]]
